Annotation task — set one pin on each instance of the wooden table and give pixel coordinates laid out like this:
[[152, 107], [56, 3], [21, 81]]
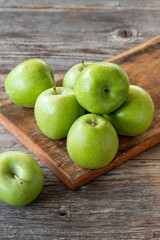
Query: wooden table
[[125, 202]]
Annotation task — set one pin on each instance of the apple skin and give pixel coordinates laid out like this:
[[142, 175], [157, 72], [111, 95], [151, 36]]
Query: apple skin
[[55, 113], [27, 169], [70, 76], [92, 142], [27, 80], [101, 87], [135, 115]]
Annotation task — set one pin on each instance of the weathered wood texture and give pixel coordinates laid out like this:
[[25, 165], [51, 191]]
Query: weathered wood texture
[[122, 205], [142, 65], [81, 4], [125, 202], [64, 37]]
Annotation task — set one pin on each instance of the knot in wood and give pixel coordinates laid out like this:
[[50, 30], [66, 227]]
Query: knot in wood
[[62, 211], [125, 33]]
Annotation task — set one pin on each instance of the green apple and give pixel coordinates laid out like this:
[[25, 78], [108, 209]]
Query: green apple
[[21, 178], [70, 76], [135, 115], [92, 142], [27, 80], [55, 111], [101, 87]]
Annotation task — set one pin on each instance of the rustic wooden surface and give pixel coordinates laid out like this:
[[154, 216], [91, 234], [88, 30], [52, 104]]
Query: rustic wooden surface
[[125, 202], [142, 66]]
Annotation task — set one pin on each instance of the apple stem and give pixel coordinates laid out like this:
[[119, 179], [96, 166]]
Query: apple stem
[[93, 123], [54, 89], [18, 179], [83, 63]]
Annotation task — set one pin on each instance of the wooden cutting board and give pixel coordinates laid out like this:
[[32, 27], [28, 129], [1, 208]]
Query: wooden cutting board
[[143, 67]]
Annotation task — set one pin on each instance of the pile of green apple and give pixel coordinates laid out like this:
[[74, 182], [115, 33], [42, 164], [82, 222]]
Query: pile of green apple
[[94, 103]]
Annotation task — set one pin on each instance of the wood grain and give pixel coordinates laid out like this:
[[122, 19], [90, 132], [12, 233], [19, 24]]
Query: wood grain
[[63, 38], [123, 204], [81, 5], [142, 65]]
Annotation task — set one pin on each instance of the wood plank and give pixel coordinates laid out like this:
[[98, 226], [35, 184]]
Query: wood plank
[[142, 65], [9, 142], [94, 4], [63, 38], [122, 204]]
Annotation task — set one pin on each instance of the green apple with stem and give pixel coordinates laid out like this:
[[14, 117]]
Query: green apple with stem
[[21, 178], [55, 111], [101, 87], [27, 80], [92, 141], [135, 115], [70, 76]]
